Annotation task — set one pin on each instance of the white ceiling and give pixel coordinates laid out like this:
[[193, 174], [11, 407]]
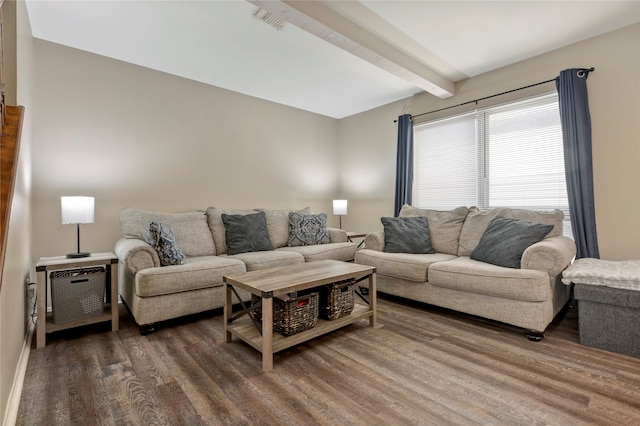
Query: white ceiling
[[394, 49]]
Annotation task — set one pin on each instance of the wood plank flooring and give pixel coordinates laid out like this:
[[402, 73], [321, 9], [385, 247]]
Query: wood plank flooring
[[421, 366]]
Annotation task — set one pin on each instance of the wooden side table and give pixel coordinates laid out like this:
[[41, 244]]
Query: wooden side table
[[45, 265], [351, 235]]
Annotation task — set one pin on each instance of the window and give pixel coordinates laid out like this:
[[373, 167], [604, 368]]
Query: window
[[503, 156]]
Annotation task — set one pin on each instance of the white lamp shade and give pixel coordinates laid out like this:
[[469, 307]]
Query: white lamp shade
[[340, 207], [77, 209]]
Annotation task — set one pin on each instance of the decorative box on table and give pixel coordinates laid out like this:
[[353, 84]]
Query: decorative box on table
[[608, 296], [336, 300], [77, 294], [291, 314]]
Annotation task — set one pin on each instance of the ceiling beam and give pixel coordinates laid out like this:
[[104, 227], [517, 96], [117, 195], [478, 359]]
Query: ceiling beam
[[325, 23]]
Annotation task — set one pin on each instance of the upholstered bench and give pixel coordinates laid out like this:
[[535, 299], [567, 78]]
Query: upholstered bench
[[608, 296]]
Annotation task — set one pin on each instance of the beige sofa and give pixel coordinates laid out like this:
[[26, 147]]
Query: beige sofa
[[528, 297], [155, 293]]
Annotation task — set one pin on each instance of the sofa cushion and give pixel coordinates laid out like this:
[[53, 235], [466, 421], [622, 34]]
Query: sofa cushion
[[344, 252], [307, 229], [161, 238], [217, 229], [475, 277], [406, 266], [196, 273], [278, 225], [444, 226], [245, 233], [406, 235], [267, 259], [190, 229], [477, 221], [505, 239]]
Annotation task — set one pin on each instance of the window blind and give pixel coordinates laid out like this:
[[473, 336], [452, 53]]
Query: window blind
[[524, 156], [503, 156], [445, 163]]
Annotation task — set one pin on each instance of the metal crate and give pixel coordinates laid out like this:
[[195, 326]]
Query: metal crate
[[77, 294]]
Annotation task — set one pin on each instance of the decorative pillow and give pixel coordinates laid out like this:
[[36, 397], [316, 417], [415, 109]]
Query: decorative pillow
[[477, 221], [505, 239], [444, 226], [278, 225], [246, 233], [406, 235], [307, 229], [217, 229], [160, 236]]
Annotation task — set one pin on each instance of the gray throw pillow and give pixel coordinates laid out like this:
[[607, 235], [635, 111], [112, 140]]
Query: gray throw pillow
[[160, 236], [406, 235], [505, 239], [307, 229], [246, 233]]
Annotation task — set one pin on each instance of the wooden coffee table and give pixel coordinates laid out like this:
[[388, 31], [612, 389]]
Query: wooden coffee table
[[271, 282]]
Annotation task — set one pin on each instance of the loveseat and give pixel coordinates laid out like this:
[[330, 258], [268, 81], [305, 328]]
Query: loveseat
[[185, 275], [471, 262]]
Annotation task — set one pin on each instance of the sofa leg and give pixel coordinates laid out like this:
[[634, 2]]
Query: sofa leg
[[533, 335], [147, 329]]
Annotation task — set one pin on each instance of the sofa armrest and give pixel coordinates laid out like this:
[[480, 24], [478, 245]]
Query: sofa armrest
[[337, 235], [552, 255], [374, 241], [135, 254]]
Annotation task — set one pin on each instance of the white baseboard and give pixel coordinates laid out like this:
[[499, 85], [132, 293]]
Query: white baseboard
[[13, 402]]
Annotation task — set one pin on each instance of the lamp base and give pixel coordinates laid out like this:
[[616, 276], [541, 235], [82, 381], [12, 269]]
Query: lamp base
[[78, 255]]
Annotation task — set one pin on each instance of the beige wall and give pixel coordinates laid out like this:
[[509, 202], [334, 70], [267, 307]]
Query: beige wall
[[14, 307], [134, 137], [367, 151], [368, 140]]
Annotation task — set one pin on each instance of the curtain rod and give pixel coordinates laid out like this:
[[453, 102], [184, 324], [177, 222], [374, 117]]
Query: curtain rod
[[492, 96]]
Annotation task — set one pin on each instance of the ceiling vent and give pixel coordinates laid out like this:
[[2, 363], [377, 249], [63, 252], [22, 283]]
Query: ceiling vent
[[272, 19]]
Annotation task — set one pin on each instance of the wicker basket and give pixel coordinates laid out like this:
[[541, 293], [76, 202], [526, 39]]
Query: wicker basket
[[291, 315], [77, 294], [336, 300]]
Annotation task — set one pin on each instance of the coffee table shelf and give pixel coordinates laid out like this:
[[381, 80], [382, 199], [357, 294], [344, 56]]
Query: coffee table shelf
[[272, 282], [245, 330]]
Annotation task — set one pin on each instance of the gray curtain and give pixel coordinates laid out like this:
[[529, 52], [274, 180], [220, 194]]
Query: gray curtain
[[576, 134], [404, 163]]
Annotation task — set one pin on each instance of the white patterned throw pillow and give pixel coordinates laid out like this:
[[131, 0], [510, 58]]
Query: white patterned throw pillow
[[307, 229], [160, 236]]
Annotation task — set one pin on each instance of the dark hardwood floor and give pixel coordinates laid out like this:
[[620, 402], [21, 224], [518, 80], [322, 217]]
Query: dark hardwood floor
[[421, 366]]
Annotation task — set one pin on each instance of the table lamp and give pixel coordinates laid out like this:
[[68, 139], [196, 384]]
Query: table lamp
[[340, 209], [77, 210]]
